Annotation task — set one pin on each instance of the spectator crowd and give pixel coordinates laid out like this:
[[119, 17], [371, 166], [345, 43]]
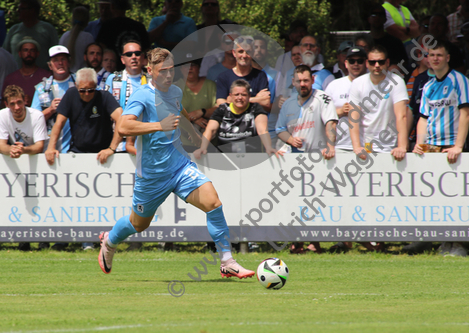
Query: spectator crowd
[[236, 93]]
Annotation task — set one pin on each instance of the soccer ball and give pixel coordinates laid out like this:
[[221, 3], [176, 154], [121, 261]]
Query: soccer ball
[[272, 273]]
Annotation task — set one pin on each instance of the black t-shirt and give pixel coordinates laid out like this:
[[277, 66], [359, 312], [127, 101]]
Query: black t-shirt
[[238, 127], [90, 123], [456, 59], [415, 99], [395, 48], [256, 78], [117, 30]]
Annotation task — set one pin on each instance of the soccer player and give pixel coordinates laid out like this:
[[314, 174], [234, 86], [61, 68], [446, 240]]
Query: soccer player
[[153, 114]]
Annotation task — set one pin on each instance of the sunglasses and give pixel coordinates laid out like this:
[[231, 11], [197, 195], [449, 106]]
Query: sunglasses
[[92, 90], [353, 61], [244, 39], [130, 53], [380, 62], [210, 4]]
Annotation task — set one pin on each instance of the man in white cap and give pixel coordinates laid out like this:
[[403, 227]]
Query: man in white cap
[[50, 90], [30, 73]]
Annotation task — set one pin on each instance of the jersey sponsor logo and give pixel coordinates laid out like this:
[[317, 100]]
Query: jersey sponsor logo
[[140, 208], [94, 112], [440, 103], [344, 96], [306, 125]]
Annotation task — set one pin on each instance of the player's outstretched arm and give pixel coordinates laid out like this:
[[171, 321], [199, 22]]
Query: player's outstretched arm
[[128, 125]]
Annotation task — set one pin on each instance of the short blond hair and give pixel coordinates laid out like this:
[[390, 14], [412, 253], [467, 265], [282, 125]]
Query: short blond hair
[[12, 91], [158, 55]]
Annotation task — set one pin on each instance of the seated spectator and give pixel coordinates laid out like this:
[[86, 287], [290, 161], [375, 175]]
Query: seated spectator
[[49, 93], [199, 95], [42, 32], [399, 21], [94, 59], [236, 123], [105, 14], [22, 130], [339, 70], [394, 46], [7, 65], [120, 29], [457, 19], [109, 61], [94, 110], [76, 40], [211, 16], [168, 30], [29, 74], [439, 29], [298, 29], [310, 50], [257, 79], [213, 68], [364, 41], [440, 97]]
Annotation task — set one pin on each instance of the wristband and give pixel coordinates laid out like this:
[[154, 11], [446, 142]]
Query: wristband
[[203, 112], [112, 149]]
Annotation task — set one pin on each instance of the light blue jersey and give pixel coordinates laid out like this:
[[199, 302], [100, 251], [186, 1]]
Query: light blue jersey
[[441, 101], [160, 153]]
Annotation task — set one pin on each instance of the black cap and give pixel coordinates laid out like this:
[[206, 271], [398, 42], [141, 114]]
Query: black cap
[[356, 51]]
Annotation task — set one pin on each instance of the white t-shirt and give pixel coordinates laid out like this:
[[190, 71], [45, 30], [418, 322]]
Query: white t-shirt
[[31, 130], [83, 39], [379, 100], [339, 90]]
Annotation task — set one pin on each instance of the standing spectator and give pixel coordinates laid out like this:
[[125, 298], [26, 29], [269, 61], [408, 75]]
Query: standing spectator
[[257, 79], [105, 14], [444, 118], [49, 92], [212, 67], [439, 29], [260, 55], [456, 20], [109, 61], [375, 111], [93, 59], [169, 29], [22, 130], [298, 29], [394, 46], [7, 65], [211, 16], [286, 84], [42, 32], [310, 50], [29, 74], [115, 32], [76, 39], [339, 69], [399, 21], [364, 41]]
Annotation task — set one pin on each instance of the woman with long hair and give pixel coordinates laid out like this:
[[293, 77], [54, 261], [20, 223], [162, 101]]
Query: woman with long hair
[[76, 40]]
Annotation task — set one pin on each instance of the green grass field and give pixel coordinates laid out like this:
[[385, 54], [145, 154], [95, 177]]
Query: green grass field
[[67, 292]]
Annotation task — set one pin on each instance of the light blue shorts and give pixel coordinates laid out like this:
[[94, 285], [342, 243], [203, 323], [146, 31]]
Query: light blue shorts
[[149, 194]]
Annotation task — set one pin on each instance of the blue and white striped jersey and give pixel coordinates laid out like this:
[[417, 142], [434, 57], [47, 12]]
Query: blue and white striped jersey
[[441, 101]]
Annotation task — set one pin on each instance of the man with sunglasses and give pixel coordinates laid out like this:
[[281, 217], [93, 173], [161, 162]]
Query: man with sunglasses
[[378, 100], [90, 112], [123, 83], [214, 69], [242, 50], [169, 29]]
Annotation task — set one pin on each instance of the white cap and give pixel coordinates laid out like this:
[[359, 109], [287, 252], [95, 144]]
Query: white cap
[[58, 49]]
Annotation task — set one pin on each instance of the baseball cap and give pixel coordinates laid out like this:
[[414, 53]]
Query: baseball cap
[[28, 39], [356, 51], [58, 49], [345, 45]]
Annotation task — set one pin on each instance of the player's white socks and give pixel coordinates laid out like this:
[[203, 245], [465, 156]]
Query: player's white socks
[[226, 255]]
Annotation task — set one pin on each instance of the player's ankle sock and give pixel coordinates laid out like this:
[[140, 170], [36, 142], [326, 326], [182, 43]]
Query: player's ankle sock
[[226, 255], [121, 230], [218, 230]]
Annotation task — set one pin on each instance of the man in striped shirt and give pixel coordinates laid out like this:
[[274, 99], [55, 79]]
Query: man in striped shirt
[[444, 107]]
